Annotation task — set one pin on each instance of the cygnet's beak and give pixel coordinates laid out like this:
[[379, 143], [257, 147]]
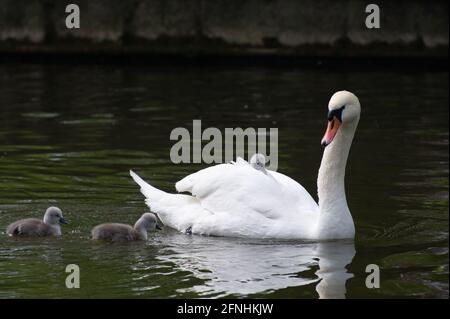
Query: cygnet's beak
[[158, 227], [62, 220]]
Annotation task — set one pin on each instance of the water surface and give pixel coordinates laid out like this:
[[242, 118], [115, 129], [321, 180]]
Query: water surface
[[69, 135]]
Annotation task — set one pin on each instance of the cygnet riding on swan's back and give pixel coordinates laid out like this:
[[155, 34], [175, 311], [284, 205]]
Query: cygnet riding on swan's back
[[258, 161], [237, 200]]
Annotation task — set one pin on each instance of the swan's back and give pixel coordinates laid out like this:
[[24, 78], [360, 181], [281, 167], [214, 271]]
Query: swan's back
[[235, 200]]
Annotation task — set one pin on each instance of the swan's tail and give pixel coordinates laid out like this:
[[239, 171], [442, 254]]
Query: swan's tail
[[175, 210], [150, 192]]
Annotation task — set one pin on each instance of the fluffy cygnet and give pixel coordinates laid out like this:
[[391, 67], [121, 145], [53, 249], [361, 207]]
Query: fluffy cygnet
[[258, 161], [49, 226], [120, 232]]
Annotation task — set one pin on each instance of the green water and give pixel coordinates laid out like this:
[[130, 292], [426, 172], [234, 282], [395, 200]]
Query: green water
[[69, 135]]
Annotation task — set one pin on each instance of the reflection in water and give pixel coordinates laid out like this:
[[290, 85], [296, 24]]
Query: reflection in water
[[333, 258], [248, 267]]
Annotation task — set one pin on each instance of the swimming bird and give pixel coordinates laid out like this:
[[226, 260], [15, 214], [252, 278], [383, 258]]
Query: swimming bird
[[236, 200], [49, 226], [121, 232]]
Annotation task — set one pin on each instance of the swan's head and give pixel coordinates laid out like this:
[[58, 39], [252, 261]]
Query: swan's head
[[54, 216], [343, 110]]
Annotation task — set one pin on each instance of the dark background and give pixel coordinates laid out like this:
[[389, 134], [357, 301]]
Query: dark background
[[213, 31]]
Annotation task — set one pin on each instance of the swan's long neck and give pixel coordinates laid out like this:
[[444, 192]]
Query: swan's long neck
[[335, 220]]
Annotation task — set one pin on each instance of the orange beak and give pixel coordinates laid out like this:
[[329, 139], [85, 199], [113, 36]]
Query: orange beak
[[330, 133]]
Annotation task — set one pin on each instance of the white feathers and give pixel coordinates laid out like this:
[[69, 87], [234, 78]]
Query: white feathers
[[244, 199], [235, 200]]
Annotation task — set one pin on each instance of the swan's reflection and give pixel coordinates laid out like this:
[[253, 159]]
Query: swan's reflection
[[242, 266], [333, 259]]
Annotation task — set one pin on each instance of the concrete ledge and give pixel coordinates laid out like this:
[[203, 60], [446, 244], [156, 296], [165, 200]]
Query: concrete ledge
[[261, 27]]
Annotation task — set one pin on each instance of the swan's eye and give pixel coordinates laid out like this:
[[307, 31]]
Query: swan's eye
[[337, 113]]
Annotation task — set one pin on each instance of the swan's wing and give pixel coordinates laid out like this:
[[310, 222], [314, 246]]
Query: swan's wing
[[240, 161], [303, 200], [234, 200], [243, 191]]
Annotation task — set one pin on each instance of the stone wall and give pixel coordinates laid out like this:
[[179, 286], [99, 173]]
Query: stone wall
[[299, 27]]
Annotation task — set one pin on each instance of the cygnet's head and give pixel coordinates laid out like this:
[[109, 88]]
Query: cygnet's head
[[343, 109], [53, 216], [258, 161], [147, 221]]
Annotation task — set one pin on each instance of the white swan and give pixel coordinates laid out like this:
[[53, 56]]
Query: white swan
[[237, 200]]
